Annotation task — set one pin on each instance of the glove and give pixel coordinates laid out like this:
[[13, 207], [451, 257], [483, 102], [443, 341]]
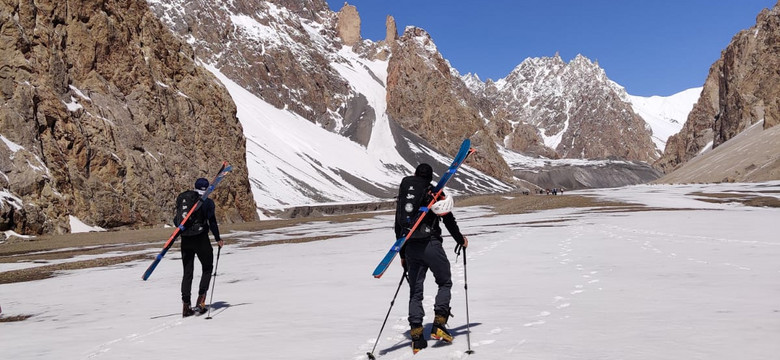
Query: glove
[[403, 264]]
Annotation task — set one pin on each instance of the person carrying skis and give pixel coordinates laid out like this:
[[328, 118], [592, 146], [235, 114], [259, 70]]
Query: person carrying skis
[[424, 251], [195, 241]]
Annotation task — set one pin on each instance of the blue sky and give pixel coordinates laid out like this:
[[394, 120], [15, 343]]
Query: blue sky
[[651, 47]]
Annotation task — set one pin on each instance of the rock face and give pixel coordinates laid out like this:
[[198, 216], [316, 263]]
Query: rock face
[[578, 111], [425, 97], [105, 116], [741, 89], [348, 25]]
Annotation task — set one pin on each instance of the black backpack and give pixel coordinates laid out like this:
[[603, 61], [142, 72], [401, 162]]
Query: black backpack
[[413, 192], [196, 224]]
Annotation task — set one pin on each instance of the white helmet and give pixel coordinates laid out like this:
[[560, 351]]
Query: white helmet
[[443, 206]]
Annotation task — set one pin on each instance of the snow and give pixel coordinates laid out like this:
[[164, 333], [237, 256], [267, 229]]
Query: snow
[[78, 92], [666, 115], [73, 105], [78, 226], [288, 170], [693, 281], [9, 198], [9, 233], [519, 161], [14, 147]]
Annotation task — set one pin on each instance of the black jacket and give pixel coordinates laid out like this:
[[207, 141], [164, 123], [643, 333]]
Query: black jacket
[[431, 219]]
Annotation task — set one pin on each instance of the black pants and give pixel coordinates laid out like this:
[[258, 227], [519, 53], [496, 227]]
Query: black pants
[[201, 246], [421, 256]]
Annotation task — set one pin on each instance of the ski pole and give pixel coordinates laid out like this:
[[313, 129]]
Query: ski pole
[[213, 283], [371, 353], [458, 248]]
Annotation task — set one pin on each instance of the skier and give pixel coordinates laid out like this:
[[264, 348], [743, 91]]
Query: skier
[[424, 251], [195, 241]]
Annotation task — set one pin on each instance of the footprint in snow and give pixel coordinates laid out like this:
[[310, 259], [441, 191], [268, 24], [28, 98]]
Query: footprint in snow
[[535, 323]]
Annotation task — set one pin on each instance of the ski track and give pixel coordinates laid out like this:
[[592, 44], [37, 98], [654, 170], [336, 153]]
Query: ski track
[[107, 346]]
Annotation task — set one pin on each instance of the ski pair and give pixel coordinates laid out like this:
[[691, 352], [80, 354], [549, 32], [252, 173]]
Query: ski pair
[[463, 153], [223, 171]]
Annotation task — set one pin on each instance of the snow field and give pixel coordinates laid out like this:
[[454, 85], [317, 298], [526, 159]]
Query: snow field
[[699, 283]]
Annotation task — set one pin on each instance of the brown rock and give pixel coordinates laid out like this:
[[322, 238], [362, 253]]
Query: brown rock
[[424, 97], [348, 25], [391, 32], [111, 116]]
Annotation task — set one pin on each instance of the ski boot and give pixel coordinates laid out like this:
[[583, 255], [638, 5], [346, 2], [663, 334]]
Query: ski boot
[[418, 341], [438, 331], [200, 305], [187, 310]]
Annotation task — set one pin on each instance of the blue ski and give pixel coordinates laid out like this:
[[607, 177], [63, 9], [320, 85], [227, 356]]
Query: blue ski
[[463, 153], [221, 175]]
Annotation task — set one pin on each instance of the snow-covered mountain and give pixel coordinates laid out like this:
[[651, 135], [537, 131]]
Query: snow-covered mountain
[[301, 153], [573, 109], [290, 67], [665, 114]]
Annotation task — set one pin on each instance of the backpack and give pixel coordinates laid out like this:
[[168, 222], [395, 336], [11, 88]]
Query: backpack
[[413, 192], [196, 224]]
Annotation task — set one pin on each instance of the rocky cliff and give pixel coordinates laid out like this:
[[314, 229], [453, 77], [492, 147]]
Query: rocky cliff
[[741, 89], [105, 116], [426, 97]]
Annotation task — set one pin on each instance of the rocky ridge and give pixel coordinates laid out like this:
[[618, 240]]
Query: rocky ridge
[[550, 108], [427, 98]]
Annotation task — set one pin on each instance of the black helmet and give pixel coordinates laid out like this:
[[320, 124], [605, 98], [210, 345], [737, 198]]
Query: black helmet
[[424, 171], [201, 184]]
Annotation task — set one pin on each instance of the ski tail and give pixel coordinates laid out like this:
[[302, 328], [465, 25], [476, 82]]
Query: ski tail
[[463, 154], [223, 171]]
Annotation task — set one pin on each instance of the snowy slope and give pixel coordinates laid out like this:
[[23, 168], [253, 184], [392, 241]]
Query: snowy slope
[[665, 114], [293, 162], [560, 284]]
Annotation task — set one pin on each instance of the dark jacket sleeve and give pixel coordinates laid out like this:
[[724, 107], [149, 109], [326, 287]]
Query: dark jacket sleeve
[[211, 215], [452, 227]]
